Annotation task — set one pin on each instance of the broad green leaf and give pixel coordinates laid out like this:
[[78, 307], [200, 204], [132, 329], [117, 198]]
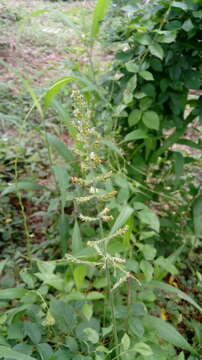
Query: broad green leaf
[[167, 332], [149, 217], [143, 349], [149, 252], [151, 120], [7, 353], [94, 295], [22, 185], [13, 293], [92, 335], [15, 330], [143, 38], [154, 284], [166, 265], [156, 50], [127, 96], [147, 269], [87, 311], [197, 216], [76, 239], [147, 75], [132, 67], [135, 135], [181, 5], [145, 103], [131, 84], [46, 267], [56, 88], [134, 117], [27, 277], [33, 331], [187, 25], [147, 295], [122, 218], [160, 273], [125, 342], [98, 16], [79, 276], [60, 147], [23, 348], [167, 36], [45, 351], [136, 326]]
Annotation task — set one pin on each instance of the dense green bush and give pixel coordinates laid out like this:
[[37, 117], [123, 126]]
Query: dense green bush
[[160, 63]]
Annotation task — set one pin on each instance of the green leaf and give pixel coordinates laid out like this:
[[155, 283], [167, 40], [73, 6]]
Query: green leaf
[[197, 216], [132, 83], [87, 311], [76, 239], [147, 269], [166, 265], [181, 5], [143, 349], [143, 38], [132, 67], [147, 75], [156, 50], [135, 135], [136, 326], [92, 335], [149, 252], [151, 120], [45, 351], [59, 146], [79, 276], [13, 293], [167, 332], [154, 284], [134, 117], [94, 295], [122, 218], [56, 88], [64, 315], [145, 103], [8, 353], [98, 16], [187, 25], [33, 331], [127, 96], [22, 185], [149, 217], [125, 342]]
